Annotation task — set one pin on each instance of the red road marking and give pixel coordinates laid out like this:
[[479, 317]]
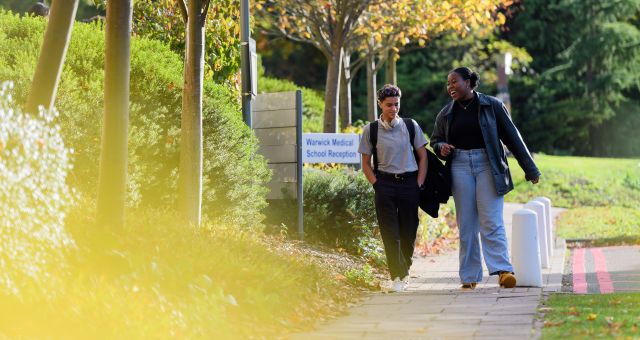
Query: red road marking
[[606, 286], [579, 275]]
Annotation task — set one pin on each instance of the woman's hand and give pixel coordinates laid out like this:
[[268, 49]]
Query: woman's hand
[[535, 180], [446, 149]]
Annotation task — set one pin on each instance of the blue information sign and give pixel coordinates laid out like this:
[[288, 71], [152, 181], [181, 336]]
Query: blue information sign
[[330, 148]]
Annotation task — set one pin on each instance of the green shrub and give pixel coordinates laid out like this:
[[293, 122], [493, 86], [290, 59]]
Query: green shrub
[[231, 181], [362, 278], [370, 247], [434, 228], [338, 209], [33, 169]]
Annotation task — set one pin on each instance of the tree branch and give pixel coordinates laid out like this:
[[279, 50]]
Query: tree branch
[[205, 12], [183, 11], [381, 61], [356, 66]]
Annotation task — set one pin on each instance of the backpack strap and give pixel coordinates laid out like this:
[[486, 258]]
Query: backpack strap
[[373, 138], [408, 122]]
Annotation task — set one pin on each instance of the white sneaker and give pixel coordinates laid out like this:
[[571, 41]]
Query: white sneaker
[[398, 286], [406, 282]]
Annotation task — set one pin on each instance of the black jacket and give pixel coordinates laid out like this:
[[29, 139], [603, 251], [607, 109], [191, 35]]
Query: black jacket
[[437, 186], [497, 128]]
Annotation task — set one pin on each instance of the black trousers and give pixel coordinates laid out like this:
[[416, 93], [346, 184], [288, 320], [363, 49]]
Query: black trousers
[[397, 202]]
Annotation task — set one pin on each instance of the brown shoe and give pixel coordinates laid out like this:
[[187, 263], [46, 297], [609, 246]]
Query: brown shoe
[[469, 286], [507, 280]]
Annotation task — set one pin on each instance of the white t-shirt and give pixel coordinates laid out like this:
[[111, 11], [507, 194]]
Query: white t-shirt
[[394, 152]]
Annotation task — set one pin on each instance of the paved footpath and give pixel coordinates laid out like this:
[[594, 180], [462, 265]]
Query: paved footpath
[[434, 308]]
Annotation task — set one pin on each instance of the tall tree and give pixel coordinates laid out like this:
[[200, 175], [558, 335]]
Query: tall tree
[[190, 180], [585, 100], [162, 20], [327, 24], [345, 92], [393, 27], [112, 182], [54, 50]]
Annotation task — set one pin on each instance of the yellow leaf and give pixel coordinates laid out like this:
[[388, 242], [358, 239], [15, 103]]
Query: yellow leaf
[[259, 7], [307, 35], [445, 6], [592, 317]]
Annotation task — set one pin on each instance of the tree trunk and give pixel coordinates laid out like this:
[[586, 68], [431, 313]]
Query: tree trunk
[[345, 95], [112, 182], [593, 140], [190, 180], [391, 75], [332, 92], [372, 100], [54, 50]]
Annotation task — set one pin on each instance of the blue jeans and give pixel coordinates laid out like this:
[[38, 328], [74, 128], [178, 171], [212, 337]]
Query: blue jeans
[[478, 210]]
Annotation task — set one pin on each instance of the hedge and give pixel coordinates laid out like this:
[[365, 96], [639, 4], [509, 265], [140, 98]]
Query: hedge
[[231, 181]]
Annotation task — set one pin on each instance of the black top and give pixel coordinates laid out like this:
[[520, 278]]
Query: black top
[[465, 132]]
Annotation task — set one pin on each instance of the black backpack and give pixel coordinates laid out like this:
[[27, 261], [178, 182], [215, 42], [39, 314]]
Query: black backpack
[[437, 183]]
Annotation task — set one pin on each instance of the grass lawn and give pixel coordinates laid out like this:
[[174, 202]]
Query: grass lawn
[[580, 181], [610, 316], [599, 222]]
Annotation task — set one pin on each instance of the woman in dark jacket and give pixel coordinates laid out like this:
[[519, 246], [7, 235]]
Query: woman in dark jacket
[[468, 134]]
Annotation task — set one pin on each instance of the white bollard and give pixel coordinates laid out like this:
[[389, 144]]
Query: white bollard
[[547, 213], [526, 249], [538, 208]]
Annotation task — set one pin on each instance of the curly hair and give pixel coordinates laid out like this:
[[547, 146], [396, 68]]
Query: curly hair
[[389, 91], [468, 74]]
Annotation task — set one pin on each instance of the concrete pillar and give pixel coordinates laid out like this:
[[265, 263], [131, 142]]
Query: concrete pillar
[[526, 249], [538, 208], [547, 212]]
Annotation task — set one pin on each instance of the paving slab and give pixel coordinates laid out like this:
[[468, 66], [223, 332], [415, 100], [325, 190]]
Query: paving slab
[[435, 308]]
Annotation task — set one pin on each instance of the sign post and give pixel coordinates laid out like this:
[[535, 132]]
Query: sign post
[[277, 123], [248, 63]]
